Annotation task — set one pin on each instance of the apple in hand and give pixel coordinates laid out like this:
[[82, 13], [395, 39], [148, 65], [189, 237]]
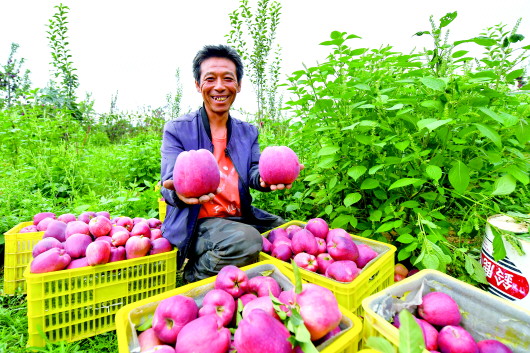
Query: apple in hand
[[220, 303], [306, 261], [233, 280], [137, 246], [171, 315]]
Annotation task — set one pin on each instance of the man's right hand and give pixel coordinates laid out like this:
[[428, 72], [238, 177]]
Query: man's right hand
[[168, 184]]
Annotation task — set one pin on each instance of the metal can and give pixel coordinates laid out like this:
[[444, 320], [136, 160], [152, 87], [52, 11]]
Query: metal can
[[508, 278]]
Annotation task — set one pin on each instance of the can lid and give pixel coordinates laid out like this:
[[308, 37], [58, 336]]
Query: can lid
[[508, 223]]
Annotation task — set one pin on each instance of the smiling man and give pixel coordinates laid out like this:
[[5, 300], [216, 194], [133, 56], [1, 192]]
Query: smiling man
[[219, 229]]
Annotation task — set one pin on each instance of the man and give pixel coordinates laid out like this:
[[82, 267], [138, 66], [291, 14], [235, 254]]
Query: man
[[216, 230]]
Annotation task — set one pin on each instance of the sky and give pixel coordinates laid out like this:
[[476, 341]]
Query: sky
[[131, 49]]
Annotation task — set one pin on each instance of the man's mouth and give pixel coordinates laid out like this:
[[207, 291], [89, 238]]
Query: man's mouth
[[219, 99]]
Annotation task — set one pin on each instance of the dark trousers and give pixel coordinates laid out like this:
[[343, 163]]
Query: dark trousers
[[225, 241]]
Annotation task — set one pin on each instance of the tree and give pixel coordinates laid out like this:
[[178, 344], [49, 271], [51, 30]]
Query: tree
[[13, 84]]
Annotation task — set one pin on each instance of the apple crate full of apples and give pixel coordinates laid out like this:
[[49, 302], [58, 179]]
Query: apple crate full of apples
[[236, 310], [350, 281], [453, 315], [17, 255]]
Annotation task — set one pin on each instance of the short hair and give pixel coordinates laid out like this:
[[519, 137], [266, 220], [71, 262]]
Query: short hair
[[217, 51]]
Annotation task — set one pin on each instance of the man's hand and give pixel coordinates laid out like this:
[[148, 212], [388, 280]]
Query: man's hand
[[278, 186], [168, 184]]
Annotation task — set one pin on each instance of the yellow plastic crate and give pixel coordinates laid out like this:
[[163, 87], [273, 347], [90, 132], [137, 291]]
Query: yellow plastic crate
[[162, 209], [17, 256], [484, 315], [131, 315], [377, 275], [70, 305]]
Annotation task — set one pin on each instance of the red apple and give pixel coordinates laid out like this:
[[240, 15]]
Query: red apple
[[323, 261], [46, 244], [148, 339], [43, 224], [304, 241], [42, 215], [86, 216], [281, 240], [55, 230], [99, 226], [76, 245], [29, 229], [262, 285], [337, 231], [266, 245], [77, 263], [154, 223], [247, 297], [171, 315], [159, 246], [54, 259], [156, 233], [67, 217], [293, 228], [214, 338], [438, 308], [98, 253], [76, 227], [117, 254], [366, 254], [137, 246], [342, 248], [116, 228], [343, 271], [119, 238], [306, 261], [492, 346], [282, 252], [163, 348], [105, 238], [455, 339], [276, 232], [318, 227], [263, 303], [104, 214], [401, 269], [233, 280], [141, 228], [220, 303], [125, 222], [322, 245]]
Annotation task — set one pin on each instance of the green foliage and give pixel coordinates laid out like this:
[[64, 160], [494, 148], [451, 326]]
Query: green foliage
[[13, 84], [408, 150], [62, 62], [410, 337], [253, 36]]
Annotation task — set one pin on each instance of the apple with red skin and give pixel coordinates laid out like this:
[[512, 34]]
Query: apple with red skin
[[159, 246], [262, 285], [154, 223], [86, 216], [54, 259], [148, 339], [323, 261], [233, 280], [438, 308], [105, 238], [342, 248], [277, 232], [163, 348], [304, 241], [156, 233], [337, 231], [67, 217], [104, 214], [76, 227], [29, 229], [398, 277], [492, 346], [260, 332], [293, 228], [138, 220], [282, 252], [306, 261], [281, 240], [56, 230], [214, 337], [99, 226], [247, 297], [98, 253], [343, 271], [119, 238], [137, 246], [430, 334], [117, 254], [318, 227], [46, 244], [366, 254], [219, 303], [44, 223], [456, 339], [77, 263], [116, 228], [322, 245], [413, 271], [401, 269], [263, 303], [287, 297], [319, 309], [141, 228], [76, 245], [171, 315], [125, 222], [266, 245], [42, 215]]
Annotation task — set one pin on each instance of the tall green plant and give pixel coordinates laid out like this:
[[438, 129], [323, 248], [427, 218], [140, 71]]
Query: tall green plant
[[62, 59], [13, 83], [253, 36]]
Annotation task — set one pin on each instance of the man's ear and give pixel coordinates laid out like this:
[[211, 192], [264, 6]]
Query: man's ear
[[197, 86], [239, 87]]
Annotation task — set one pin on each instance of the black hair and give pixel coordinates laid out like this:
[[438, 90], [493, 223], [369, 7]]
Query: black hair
[[217, 51]]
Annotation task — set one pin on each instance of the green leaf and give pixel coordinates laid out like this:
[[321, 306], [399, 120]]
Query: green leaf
[[431, 261], [518, 174], [460, 53], [357, 171], [459, 177], [380, 344], [432, 124], [504, 119], [490, 134], [484, 41], [352, 198], [434, 172], [146, 324], [328, 150], [410, 334], [369, 184], [406, 238], [445, 21], [405, 182], [434, 83], [505, 185], [297, 278], [499, 251]]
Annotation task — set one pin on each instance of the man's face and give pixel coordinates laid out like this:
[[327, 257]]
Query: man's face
[[218, 84]]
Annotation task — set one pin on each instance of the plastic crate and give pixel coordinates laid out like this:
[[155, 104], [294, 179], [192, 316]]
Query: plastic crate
[[17, 256], [375, 276], [484, 315], [70, 305], [131, 315], [162, 209]]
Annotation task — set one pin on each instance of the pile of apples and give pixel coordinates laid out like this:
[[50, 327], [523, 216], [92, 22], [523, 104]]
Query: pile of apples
[[93, 238], [439, 318], [401, 272], [244, 314], [316, 248]]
